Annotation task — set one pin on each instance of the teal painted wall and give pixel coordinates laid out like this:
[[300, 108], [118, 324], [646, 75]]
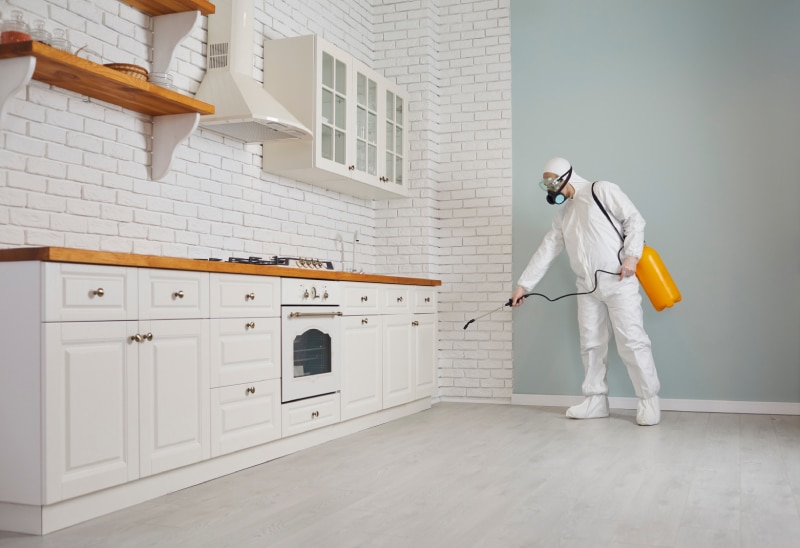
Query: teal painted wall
[[693, 108]]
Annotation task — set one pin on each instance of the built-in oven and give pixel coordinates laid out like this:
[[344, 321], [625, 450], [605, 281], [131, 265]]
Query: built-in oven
[[310, 338]]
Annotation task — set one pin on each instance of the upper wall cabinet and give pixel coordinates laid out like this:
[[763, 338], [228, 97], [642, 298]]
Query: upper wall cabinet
[[359, 120]]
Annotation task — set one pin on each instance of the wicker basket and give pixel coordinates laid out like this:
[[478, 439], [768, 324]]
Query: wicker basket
[[131, 70]]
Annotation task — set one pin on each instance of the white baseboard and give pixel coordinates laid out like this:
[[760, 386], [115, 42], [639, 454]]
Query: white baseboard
[[696, 406]]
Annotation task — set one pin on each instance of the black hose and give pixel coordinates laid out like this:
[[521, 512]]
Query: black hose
[[509, 303]]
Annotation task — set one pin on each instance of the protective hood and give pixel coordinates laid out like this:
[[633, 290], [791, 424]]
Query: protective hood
[[559, 166], [244, 110]]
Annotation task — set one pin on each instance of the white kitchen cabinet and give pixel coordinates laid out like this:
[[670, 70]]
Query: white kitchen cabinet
[[245, 361], [106, 392], [174, 394], [358, 118], [245, 415], [91, 394], [409, 344], [362, 373]]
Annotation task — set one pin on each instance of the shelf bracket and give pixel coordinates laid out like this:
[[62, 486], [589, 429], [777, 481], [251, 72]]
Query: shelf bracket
[[168, 32], [17, 72], [168, 132]]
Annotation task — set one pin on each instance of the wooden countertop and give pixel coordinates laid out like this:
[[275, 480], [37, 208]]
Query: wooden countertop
[[67, 255]]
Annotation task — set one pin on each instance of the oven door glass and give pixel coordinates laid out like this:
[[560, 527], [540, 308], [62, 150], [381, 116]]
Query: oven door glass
[[310, 351]]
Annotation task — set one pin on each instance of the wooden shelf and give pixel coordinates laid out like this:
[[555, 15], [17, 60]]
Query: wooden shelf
[[74, 73], [163, 7]]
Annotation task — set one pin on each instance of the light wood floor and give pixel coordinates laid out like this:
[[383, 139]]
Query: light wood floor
[[462, 475]]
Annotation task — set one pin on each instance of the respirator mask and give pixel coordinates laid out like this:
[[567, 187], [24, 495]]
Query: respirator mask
[[555, 187]]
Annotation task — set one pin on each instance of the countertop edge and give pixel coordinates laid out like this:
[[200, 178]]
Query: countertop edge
[[83, 256]]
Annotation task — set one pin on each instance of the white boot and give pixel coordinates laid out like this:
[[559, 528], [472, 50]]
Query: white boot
[[593, 407], [649, 411]]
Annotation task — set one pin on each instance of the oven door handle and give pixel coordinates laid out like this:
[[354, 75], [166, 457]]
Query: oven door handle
[[314, 314]]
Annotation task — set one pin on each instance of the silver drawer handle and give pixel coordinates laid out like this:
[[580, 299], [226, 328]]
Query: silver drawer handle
[[251, 325], [177, 295], [99, 292], [314, 314], [250, 297]]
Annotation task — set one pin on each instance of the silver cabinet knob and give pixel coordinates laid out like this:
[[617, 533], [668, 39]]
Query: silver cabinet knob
[[314, 414], [399, 299], [250, 297], [137, 338], [99, 292], [364, 321], [149, 336], [427, 299], [250, 390], [415, 323], [251, 325], [364, 299], [177, 295]]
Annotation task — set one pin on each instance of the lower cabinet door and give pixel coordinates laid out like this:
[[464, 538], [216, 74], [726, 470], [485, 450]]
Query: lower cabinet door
[[174, 394], [245, 415], [398, 360], [91, 417], [362, 375], [424, 328]]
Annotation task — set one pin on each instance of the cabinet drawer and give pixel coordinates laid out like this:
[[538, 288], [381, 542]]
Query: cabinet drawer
[[424, 300], [77, 292], [172, 294], [245, 350], [245, 415], [396, 299], [239, 296], [360, 298], [304, 415]]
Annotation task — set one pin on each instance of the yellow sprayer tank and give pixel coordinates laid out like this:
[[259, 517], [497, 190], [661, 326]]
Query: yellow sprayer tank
[[656, 281]]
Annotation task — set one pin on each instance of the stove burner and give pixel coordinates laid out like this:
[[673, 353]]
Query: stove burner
[[294, 262]]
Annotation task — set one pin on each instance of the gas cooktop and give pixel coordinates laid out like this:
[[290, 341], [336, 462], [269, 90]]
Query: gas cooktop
[[292, 262]]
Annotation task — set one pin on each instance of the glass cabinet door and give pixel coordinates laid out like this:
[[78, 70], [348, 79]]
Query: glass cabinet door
[[395, 152], [333, 121], [366, 124]]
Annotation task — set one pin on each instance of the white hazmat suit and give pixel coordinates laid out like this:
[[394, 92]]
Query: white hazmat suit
[[592, 244]]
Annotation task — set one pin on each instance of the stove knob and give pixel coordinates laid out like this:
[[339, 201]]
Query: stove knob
[[314, 293], [325, 295], [305, 294]]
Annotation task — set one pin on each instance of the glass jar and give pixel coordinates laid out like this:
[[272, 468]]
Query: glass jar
[[40, 34], [60, 40], [14, 29]]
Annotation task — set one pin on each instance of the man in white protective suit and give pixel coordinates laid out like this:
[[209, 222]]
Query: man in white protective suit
[[592, 244]]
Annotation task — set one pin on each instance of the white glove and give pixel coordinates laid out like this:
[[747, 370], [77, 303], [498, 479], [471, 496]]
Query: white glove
[[628, 267]]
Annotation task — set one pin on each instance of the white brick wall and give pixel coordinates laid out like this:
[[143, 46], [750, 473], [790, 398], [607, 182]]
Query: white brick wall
[[74, 172]]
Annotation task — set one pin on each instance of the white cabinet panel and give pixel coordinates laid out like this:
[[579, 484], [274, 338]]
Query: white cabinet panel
[[174, 394], [398, 353], [245, 350], [241, 296], [304, 415], [425, 336], [91, 412], [245, 415], [397, 299], [362, 372], [173, 294], [79, 292], [360, 298]]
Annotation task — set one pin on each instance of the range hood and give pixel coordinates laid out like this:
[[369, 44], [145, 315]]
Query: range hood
[[244, 110]]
